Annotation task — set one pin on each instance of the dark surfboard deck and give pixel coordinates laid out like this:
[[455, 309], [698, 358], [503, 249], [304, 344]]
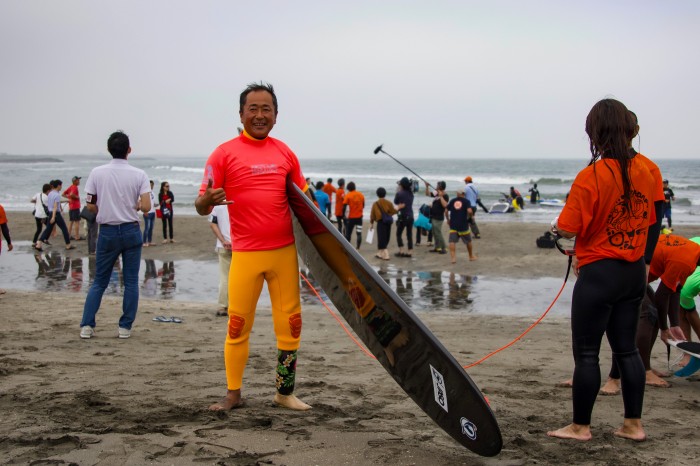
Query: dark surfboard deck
[[403, 345]]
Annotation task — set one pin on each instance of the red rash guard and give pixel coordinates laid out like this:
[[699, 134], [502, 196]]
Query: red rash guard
[[253, 174]]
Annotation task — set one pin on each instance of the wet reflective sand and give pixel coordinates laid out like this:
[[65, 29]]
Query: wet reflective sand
[[188, 280]]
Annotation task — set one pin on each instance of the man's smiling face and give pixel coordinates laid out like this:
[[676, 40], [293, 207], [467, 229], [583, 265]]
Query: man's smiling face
[[259, 114]]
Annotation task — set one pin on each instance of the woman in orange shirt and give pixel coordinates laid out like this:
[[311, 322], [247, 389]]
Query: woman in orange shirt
[[612, 210], [356, 203]]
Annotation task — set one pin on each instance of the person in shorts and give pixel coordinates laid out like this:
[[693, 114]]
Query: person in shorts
[[73, 197], [458, 212]]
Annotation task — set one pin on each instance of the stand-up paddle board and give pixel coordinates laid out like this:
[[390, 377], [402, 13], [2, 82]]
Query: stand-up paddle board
[[693, 349], [403, 345]]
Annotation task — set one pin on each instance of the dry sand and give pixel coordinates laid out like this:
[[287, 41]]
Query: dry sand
[[143, 400]]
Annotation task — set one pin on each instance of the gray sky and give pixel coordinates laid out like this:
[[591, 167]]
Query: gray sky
[[426, 78]]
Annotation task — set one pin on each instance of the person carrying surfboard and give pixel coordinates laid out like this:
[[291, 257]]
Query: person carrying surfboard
[[236, 174], [614, 212]]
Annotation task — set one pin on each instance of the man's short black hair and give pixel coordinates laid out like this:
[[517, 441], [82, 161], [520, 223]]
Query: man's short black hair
[[330, 180], [118, 145], [56, 183], [254, 87], [319, 185]]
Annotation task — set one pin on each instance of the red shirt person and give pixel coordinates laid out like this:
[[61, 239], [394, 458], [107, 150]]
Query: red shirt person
[[249, 174], [73, 196]]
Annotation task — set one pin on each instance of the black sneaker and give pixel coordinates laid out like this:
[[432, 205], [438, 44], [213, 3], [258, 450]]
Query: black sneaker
[[442, 251], [434, 250]]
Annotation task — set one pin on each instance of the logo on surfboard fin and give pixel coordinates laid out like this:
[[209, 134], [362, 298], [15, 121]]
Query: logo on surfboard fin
[[439, 388]]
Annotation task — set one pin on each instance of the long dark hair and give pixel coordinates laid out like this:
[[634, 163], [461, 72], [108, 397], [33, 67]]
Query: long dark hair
[[611, 127]]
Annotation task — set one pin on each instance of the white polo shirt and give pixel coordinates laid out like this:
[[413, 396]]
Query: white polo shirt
[[118, 187], [220, 212]]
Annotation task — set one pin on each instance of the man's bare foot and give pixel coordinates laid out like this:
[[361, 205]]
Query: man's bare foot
[[684, 361], [611, 387], [572, 432], [473, 258], [568, 383], [654, 380], [291, 402], [231, 401], [631, 429]]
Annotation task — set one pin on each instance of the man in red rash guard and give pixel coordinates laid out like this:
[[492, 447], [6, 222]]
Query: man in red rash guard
[[249, 174]]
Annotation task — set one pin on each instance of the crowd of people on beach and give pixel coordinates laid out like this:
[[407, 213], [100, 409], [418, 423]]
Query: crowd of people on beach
[[614, 211], [49, 208], [348, 203]]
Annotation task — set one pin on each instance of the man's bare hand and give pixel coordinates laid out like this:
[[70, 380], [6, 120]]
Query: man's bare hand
[[210, 198]]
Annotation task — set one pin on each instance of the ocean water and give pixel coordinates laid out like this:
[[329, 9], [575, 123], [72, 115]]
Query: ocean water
[[23, 177]]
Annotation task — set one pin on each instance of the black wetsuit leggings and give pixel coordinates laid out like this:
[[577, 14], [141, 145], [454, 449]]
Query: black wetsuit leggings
[[606, 299], [354, 224]]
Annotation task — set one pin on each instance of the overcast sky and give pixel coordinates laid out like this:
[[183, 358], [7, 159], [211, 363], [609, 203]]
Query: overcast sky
[[434, 78]]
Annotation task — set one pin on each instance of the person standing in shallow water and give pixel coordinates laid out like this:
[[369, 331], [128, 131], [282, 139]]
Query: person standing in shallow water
[[235, 174], [116, 192], [613, 211]]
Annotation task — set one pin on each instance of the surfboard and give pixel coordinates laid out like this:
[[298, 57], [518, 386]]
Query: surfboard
[[693, 349], [402, 344]]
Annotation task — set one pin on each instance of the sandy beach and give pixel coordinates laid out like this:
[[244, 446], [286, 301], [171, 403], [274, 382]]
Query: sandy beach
[[143, 400]]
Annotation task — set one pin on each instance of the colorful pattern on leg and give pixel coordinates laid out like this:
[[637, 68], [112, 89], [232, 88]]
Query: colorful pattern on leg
[[286, 371]]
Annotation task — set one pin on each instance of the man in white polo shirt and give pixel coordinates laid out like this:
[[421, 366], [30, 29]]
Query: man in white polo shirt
[[116, 192]]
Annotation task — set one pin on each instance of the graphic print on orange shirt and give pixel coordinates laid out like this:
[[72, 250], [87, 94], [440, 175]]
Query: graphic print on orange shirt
[[626, 221]]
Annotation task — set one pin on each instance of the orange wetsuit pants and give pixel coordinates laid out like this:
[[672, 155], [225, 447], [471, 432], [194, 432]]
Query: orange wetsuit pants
[[280, 269]]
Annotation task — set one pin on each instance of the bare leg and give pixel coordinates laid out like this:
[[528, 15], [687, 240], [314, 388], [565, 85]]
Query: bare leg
[[230, 401], [453, 253], [631, 429], [470, 248], [573, 432]]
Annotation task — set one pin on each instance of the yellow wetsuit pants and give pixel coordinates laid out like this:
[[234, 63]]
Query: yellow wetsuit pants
[[280, 269]]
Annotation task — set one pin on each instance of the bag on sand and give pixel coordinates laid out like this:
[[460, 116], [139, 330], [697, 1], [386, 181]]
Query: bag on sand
[[546, 241]]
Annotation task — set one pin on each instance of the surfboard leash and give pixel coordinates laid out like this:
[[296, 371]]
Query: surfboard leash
[[335, 316], [568, 252]]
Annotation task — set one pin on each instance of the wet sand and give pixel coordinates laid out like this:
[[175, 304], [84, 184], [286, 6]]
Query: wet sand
[[143, 400]]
